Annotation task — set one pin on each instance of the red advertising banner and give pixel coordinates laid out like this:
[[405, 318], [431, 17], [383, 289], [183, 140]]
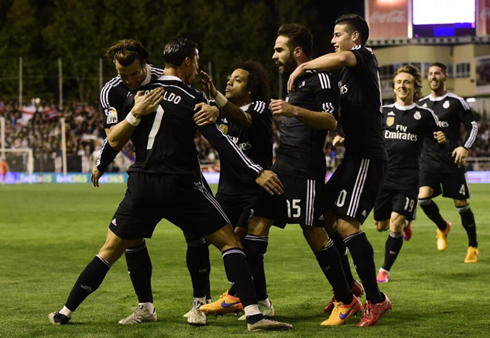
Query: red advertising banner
[[483, 17], [388, 18]]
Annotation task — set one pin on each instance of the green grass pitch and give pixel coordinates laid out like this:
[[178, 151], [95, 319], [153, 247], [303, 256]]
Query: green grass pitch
[[48, 233]]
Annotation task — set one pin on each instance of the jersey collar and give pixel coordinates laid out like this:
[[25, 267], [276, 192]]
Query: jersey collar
[[400, 107], [439, 98], [148, 76]]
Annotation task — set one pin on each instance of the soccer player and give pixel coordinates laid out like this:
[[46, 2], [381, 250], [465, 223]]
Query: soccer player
[[247, 120], [4, 168], [406, 125], [307, 115], [165, 181], [352, 189], [446, 167], [131, 61]]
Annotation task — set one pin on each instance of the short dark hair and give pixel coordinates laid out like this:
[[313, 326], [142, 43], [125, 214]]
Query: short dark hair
[[177, 50], [126, 51], [354, 23], [258, 79], [298, 35], [440, 65], [414, 71]]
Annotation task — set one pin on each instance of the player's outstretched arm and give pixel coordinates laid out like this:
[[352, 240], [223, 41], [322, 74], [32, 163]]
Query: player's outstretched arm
[[330, 61], [314, 119], [234, 113]]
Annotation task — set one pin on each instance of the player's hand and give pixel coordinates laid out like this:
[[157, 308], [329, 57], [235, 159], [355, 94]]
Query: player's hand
[[268, 180], [440, 137], [96, 174], [338, 140], [281, 107], [294, 76], [460, 154], [146, 104], [205, 114], [208, 85]]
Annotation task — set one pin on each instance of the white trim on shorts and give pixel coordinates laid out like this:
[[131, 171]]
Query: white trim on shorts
[[358, 188], [310, 202]]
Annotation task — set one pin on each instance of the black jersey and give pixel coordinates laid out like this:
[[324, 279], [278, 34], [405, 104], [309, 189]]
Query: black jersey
[[451, 110], [164, 139], [404, 131], [256, 142], [360, 107], [114, 94], [300, 151]]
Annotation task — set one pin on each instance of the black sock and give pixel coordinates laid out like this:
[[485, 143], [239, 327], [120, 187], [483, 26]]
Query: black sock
[[468, 221], [344, 257], [198, 264], [88, 281], [139, 268], [363, 255], [255, 248], [432, 211], [329, 261], [392, 249], [239, 275], [260, 283]]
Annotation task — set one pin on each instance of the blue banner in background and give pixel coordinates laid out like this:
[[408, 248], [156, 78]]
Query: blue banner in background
[[211, 177]]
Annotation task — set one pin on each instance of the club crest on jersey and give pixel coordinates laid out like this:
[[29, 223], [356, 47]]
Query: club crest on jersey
[[224, 128], [417, 115], [390, 119], [446, 105], [111, 114]]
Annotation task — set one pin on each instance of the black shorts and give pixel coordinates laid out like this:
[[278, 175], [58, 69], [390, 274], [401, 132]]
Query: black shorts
[[395, 200], [354, 186], [452, 185], [238, 212], [301, 203], [182, 200]]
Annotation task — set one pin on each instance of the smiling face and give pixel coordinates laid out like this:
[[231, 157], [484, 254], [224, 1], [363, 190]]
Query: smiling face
[[404, 88], [237, 88], [132, 75], [283, 56], [437, 79], [342, 40]]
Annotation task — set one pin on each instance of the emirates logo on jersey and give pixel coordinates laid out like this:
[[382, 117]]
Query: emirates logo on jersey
[[446, 105]]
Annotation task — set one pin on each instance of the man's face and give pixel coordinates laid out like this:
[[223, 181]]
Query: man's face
[[282, 56], [237, 85], [342, 40], [404, 87], [193, 68], [132, 75], [436, 78]]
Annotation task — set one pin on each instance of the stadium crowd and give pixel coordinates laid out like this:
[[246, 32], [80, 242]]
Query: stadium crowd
[[37, 126]]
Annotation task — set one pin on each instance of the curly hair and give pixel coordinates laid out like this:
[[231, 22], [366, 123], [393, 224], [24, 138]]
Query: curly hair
[[258, 79]]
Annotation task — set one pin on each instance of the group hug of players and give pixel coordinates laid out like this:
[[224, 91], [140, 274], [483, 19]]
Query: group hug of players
[[382, 168]]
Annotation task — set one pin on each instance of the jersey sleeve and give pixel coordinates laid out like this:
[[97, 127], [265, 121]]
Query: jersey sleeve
[[261, 116], [111, 100], [326, 94], [107, 155], [470, 124]]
